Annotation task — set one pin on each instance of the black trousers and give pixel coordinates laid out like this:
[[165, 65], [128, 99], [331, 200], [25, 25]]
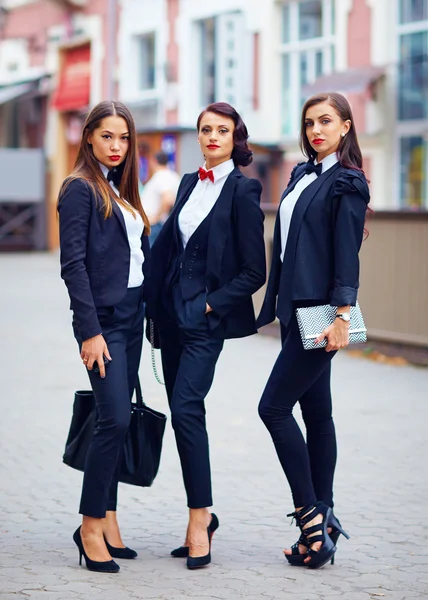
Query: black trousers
[[302, 376], [189, 356], [122, 327]]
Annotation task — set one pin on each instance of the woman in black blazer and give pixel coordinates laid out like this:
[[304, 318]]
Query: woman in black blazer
[[104, 260], [207, 262], [318, 234]]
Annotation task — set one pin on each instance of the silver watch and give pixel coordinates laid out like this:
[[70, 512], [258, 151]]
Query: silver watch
[[345, 316]]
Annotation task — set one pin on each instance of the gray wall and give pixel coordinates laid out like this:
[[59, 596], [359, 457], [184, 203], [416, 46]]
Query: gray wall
[[22, 175]]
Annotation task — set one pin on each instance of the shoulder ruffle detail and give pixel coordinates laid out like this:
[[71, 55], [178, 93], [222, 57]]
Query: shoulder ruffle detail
[[294, 171], [352, 181]]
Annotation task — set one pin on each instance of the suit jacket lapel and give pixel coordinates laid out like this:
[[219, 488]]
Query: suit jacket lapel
[[302, 204], [119, 215], [180, 202], [220, 225]]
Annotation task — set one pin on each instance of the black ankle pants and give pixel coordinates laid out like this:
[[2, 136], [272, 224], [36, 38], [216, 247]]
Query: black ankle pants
[[302, 376]]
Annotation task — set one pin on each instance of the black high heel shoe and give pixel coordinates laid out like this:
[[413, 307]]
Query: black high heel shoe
[[336, 530], [183, 551], [124, 553], [316, 533], [202, 561], [108, 566], [296, 559]]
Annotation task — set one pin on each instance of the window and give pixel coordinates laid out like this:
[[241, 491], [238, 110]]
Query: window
[[208, 70], [412, 43], [413, 76], [413, 184], [308, 52], [413, 10], [220, 53], [147, 70]]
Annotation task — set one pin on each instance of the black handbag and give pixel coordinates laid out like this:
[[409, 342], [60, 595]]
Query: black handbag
[[143, 442]]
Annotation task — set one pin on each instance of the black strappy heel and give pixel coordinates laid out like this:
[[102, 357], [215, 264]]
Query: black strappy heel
[[296, 559], [316, 533], [337, 529]]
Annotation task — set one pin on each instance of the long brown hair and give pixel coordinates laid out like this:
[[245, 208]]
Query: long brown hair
[[349, 151], [86, 166]]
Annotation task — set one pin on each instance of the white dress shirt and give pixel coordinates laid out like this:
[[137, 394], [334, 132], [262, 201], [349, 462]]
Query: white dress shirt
[[134, 228], [289, 202], [202, 200]]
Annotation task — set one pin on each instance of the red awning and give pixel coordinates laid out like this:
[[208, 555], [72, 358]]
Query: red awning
[[73, 91], [350, 81]]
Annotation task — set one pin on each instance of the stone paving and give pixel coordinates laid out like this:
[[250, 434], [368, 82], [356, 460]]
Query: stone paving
[[381, 492]]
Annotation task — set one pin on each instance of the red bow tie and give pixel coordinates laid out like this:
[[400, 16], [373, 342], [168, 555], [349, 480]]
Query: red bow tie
[[204, 174]]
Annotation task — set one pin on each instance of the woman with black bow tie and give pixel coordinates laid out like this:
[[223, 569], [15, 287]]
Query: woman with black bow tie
[[104, 260], [207, 262], [318, 234]]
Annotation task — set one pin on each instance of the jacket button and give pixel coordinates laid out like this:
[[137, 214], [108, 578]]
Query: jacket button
[[194, 253], [196, 246], [193, 260], [190, 277], [190, 269]]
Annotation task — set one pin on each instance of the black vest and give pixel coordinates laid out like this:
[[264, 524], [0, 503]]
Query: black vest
[[188, 265]]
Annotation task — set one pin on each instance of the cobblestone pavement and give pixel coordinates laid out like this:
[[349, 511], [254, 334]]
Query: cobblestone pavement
[[381, 492]]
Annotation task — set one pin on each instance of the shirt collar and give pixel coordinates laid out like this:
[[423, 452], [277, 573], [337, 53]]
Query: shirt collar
[[104, 169], [329, 161], [222, 170]]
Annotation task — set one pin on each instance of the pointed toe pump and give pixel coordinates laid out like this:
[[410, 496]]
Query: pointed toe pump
[[123, 553], [202, 561], [108, 566], [181, 552]]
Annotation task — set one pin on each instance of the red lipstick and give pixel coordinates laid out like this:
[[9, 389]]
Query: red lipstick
[[212, 146], [115, 157], [318, 141]]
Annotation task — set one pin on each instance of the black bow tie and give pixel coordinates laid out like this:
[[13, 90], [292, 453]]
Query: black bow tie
[[310, 167], [115, 175]]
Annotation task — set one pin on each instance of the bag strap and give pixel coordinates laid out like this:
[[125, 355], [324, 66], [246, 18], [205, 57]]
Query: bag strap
[[140, 402], [152, 352]]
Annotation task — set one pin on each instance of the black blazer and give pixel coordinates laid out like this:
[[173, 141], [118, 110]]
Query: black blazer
[[236, 263], [95, 255], [321, 257]]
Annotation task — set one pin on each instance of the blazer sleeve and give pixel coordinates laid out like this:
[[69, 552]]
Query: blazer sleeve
[[248, 225], [74, 208], [351, 193]]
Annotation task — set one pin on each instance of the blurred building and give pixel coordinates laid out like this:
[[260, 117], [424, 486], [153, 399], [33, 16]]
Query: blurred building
[[168, 59]]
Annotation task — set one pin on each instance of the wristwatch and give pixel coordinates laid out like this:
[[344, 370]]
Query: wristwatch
[[344, 316]]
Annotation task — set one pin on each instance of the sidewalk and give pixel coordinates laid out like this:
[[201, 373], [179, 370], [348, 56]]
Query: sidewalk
[[381, 483]]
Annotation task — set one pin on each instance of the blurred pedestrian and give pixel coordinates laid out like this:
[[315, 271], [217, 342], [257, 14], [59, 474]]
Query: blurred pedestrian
[[318, 234], [104, 258], [208, 261], [159, 193]]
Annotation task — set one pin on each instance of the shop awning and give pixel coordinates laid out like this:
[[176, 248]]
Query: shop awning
[[73, 92], [10, 92], [350, 81]]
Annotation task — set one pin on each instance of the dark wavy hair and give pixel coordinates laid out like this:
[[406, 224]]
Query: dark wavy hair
[[242, 155], [349, 152], [87, 168]]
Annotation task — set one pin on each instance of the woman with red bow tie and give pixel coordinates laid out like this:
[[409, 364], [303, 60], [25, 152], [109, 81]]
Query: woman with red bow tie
[[207, 262]]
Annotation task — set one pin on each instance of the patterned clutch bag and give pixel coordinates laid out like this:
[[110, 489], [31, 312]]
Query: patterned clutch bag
[[312, 320]]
